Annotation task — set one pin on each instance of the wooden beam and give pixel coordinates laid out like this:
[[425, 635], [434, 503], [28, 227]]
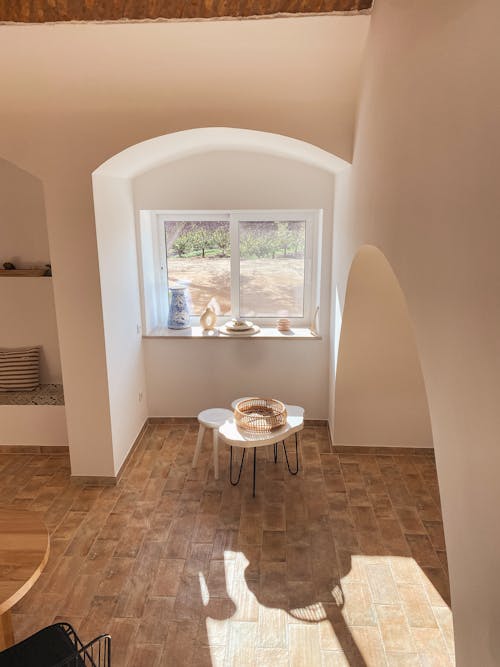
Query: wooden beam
[[42, 11]]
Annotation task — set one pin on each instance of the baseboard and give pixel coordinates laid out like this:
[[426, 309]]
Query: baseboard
[[138, 439], [315, 422], [34, 449], [94, 480], [379, 450], [193, 420], [98, 480], [172, 420]]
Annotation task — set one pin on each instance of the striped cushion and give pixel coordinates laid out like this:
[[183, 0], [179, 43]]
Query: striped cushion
[[19, 369]]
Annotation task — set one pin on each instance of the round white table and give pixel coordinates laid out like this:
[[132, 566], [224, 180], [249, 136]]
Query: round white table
[[234, 436]]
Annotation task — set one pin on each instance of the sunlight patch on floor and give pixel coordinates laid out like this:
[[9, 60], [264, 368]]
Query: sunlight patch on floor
[[384, 607]]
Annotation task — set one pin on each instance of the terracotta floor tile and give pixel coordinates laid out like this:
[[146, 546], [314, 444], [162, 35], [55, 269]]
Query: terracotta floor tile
[[277, 657], [98, 619], [330, 567], [241, 647], [145, 655], [304, 644], [334, 659], [181, 642], [423, 551], [403, 660], [213, 630], [437, 586], [272, 629], [220, 578], [154, 625], [410, 520], [132, 600], [429, 640], [358, 606], [167, 580], [394, 628], [382, 584], [436, 534], [364, 519], [273, 517], [369, 644], [416, 605], [115, 576], [122, 631], [358, 496], [298, 559], [445, 621]]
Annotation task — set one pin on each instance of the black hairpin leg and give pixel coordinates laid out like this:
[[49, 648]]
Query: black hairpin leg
[[237, 481], [241, 467], [275, 451], [292, 472]]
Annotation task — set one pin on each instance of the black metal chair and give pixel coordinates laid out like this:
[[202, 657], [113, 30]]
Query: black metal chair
[[58, 646]]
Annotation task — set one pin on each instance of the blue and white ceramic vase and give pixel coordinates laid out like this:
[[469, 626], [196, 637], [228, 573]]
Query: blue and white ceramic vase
[[179, 314]]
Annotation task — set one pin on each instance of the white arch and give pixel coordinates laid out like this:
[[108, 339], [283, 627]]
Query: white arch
[[117, 250], [152, 153]]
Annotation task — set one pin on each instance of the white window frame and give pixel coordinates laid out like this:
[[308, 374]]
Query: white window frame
[[154, 263]]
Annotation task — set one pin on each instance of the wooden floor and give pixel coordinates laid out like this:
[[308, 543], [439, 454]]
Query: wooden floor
[[344, 564]]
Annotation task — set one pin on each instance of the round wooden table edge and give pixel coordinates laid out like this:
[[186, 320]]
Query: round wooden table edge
[[7, 604]]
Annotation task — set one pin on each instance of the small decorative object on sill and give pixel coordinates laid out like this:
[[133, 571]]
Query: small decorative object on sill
[[48, 270], [239, 328], [283, 325], [239, 325], [208, 319], [8, 266], [314, 322], [179, 315], [260, 414]]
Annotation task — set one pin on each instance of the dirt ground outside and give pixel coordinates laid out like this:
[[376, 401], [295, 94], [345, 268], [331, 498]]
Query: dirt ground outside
[[271, 287]]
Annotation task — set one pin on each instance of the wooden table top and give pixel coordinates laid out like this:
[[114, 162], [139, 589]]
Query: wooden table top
[[24, 551]]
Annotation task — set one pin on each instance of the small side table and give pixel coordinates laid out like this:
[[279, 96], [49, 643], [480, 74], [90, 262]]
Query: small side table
[[211, 418], [232, 435]]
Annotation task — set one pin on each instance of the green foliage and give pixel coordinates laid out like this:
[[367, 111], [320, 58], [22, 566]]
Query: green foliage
[[255, 245], [284, 237], [278, 239], [257, 240], [201, 240], [182, 245], [220, 239]]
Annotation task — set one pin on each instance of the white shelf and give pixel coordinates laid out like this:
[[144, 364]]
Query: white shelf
[[268, 333]]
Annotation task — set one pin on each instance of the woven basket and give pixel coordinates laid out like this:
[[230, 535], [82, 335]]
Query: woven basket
[[260, 414]]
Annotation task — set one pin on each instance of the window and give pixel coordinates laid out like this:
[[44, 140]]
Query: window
[[259, 265]]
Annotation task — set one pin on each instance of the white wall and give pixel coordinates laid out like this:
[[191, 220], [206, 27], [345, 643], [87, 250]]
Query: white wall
[[43, 425], [29, 318], [186, 376], [23, 228], [380, 395], [76, 94], [121, 312], [28, 314], [27, 304], [425, 191]]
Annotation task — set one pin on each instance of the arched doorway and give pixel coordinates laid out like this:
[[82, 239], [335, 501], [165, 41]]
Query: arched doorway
[[116, 231]]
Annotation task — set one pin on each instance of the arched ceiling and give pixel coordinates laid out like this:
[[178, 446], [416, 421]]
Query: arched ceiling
[[41, 11]]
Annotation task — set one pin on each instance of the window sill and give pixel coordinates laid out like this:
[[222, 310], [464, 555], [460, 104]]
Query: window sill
[[267, 333]]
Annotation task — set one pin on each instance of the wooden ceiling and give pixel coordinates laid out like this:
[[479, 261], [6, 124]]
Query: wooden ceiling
[[48, 11]]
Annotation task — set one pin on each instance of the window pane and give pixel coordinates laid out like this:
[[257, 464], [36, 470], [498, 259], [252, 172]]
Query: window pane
[[272, 269], [198, 253]]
